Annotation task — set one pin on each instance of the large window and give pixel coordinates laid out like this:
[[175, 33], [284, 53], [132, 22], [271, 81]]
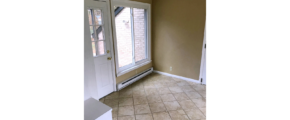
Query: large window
[[131, 32]]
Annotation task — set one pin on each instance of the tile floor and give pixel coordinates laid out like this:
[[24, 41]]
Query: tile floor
[[159, 97]]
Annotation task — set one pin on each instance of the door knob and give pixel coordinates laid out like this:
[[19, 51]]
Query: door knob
[[109, 58]]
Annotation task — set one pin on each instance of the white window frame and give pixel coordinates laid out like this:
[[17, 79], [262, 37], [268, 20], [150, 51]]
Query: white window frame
[[130, 67]]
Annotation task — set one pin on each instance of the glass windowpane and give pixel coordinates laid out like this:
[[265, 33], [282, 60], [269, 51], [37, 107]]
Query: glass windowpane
[[100, 32], [139, 34], [101, 47], [90, 16], [94, 48], [98, 17]]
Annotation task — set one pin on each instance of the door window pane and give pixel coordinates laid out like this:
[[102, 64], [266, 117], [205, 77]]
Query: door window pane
[[98, 17], [92, 33], [90, 16], [94, 48], [101, 47], [99, 30]]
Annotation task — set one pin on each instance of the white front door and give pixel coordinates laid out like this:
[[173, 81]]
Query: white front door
[[97, 33]]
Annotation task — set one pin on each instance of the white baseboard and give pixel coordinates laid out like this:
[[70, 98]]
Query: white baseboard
[[176, 76]]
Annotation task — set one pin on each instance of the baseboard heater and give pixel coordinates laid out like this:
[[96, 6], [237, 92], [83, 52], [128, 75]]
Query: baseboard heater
[[134, 79]]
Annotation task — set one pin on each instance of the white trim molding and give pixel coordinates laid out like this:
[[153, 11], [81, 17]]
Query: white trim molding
[[203, 55], [111, 45], [176, 76]]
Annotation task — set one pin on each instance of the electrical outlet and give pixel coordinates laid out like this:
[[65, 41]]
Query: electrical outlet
[[170, 68]]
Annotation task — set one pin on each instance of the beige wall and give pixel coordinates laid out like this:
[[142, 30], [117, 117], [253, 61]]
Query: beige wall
[[177, 36], [141, 69]]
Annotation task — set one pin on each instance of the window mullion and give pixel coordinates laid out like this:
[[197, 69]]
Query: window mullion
[[133, 35]]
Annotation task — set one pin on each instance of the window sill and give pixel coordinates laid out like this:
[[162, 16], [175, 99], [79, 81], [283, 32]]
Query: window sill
[[132, 68]]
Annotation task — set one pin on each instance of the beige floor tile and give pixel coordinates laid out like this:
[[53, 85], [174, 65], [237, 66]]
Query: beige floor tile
[[126, 110], [142, 109], [151, 85], [178, 115], [194, 114], [157, 107], [115, 111], [161, 116], [159, 80], [191, 83], [193, 95], [126, 94], [112, 102], [172, 84], [125, 101], [115, 118], [182, 83], [148, 82], [151, 91], [202, 93], [163, 90], [140, 100], [175, 89], [116, 101], [194, 85], [139, 93], [187, 88], [170, 80], [153, 98], [138, 86], [113, 95], [180, 96], [187, 104], [131, 117], [200, 87], [199, 102], [127, 88], [173, 105], [203, 110], [144, 117], [166, 77], [102, 100], [154, 75], [177, 79], [160, 84], [167, 97]]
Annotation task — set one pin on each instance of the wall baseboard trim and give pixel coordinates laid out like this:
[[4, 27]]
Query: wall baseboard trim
[[176, 76]]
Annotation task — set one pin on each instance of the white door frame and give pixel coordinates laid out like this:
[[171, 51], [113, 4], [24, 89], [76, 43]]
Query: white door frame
[[202, 56], [111, 44]]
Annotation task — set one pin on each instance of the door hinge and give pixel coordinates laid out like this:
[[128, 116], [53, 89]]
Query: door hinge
[[201, 80], [204, 45]]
